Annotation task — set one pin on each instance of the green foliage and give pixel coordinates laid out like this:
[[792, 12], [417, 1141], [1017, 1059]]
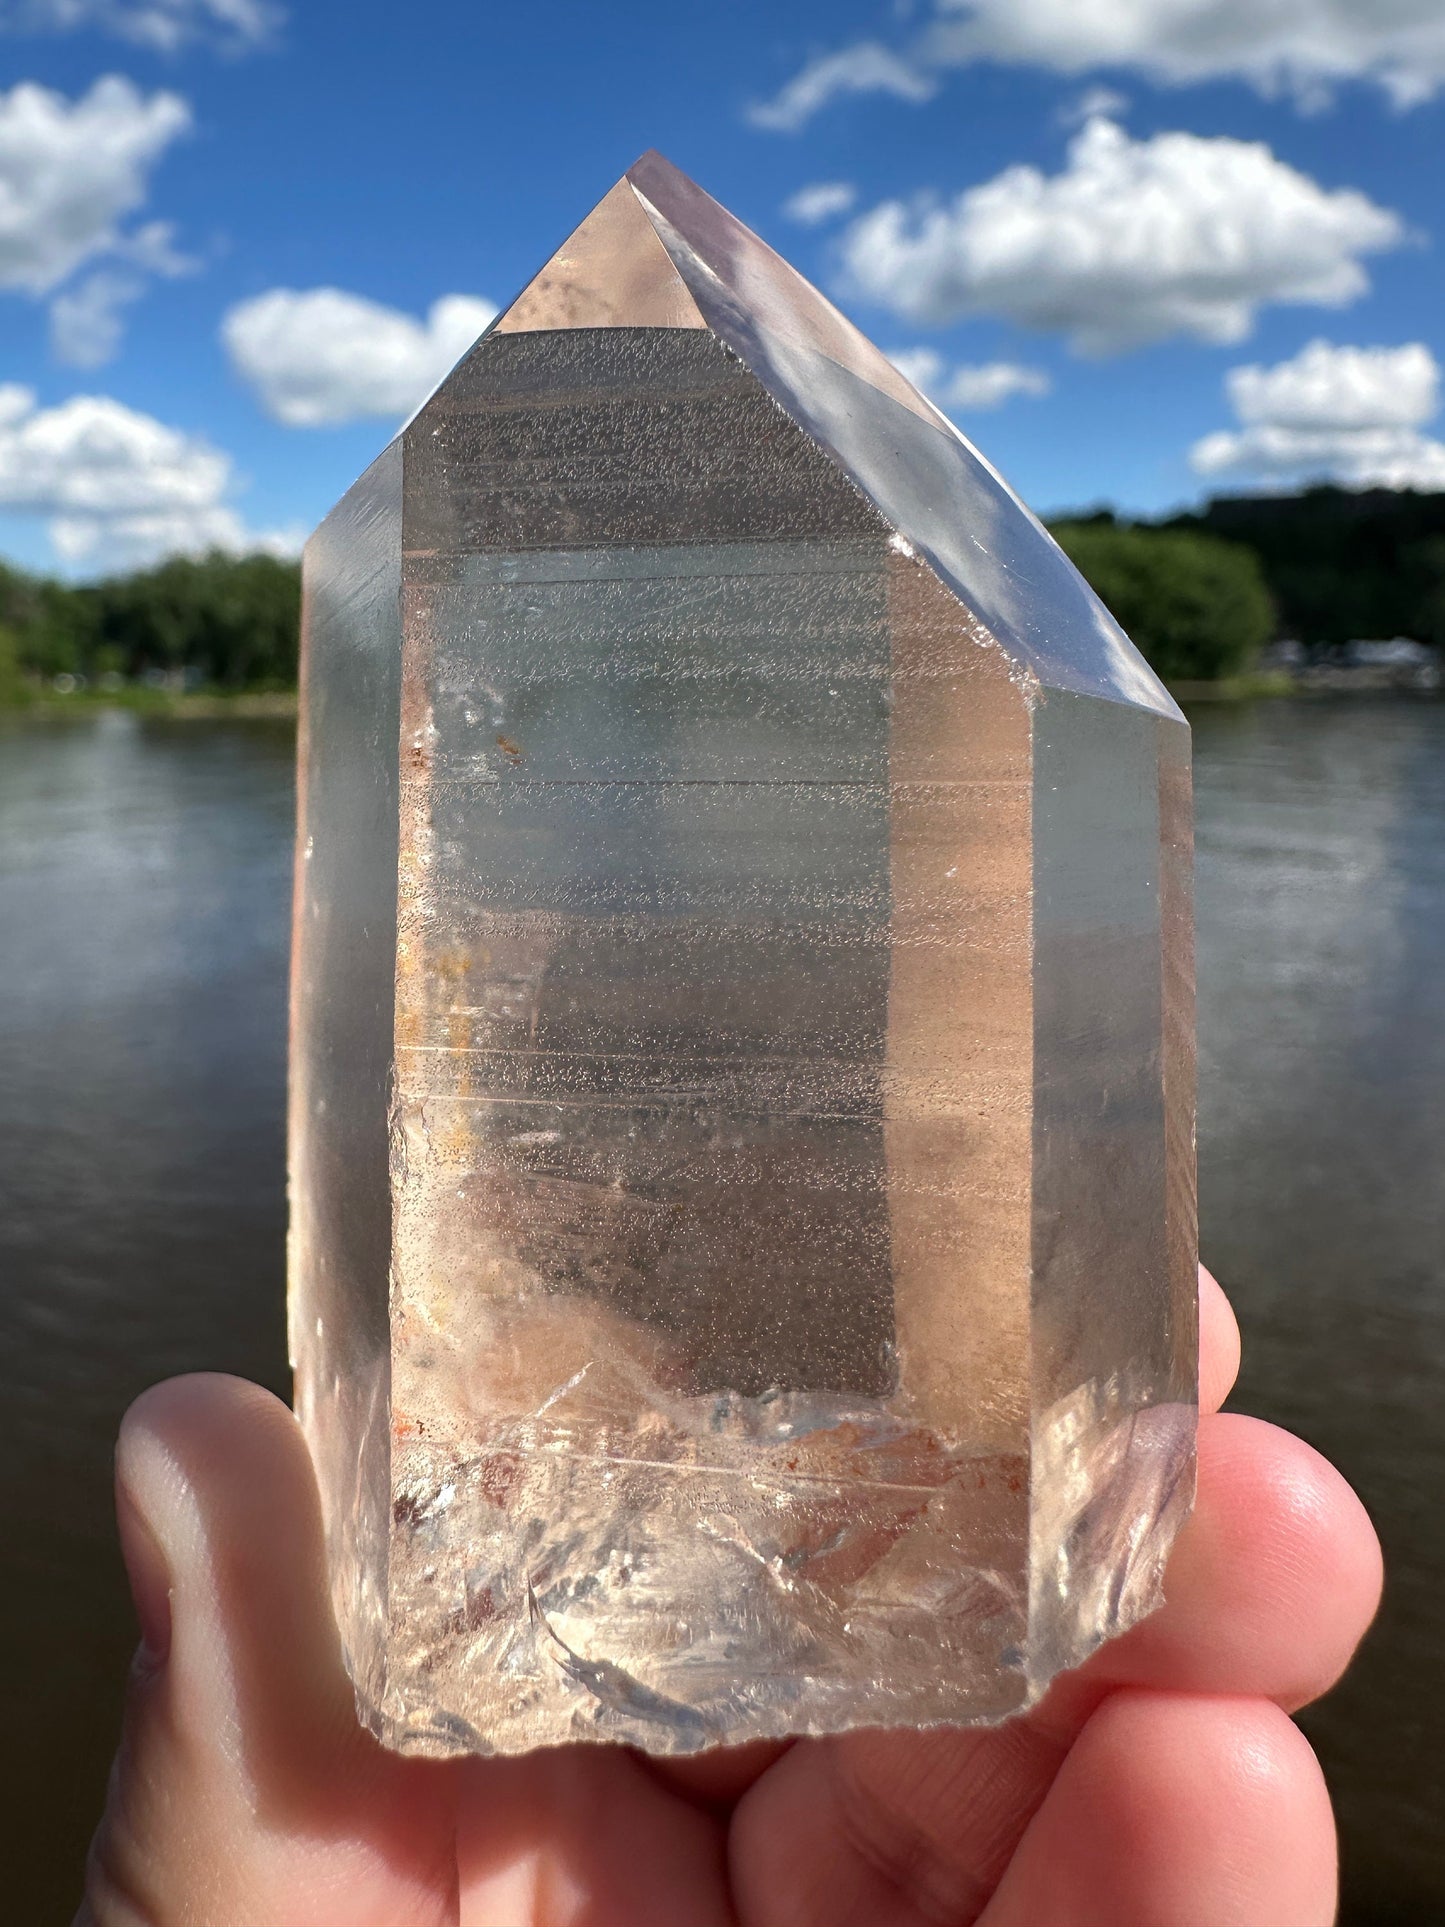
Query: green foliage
[[231, 621], [1342, 564], [228, 622], [13, 687], [46, 629], [1197, 607]]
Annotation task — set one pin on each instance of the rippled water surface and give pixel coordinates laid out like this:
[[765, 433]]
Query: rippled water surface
[[144, 895]]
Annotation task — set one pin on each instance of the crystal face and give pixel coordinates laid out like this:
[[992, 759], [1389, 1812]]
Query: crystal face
[[742, 1113]]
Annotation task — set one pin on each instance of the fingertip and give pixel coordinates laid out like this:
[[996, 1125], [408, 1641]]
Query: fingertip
[[170, 1440], [1296, 1532], [234, 1707], [1249, 1751], [1219, 1343], [199, 1418], [1183, 1808], [213, 1471], [1269, 1589]]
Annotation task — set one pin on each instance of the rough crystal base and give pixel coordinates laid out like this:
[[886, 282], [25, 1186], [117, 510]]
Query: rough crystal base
[[743, 1271]]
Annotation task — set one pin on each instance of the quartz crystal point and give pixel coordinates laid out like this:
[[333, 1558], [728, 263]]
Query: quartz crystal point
[[742, 1119]]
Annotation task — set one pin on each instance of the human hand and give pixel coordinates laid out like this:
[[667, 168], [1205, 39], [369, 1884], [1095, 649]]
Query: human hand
[[1161, 1785]]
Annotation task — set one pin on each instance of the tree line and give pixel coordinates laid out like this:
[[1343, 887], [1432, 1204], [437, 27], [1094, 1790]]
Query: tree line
[[1200, 594], [1341, 565], [224, 622]]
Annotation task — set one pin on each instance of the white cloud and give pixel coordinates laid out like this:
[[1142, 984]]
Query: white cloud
[[323, 357], [1095, 103], [1303, 47], [85, 321], [823, 201], [924, 367], [1306, 48], [994, 383], [117, 487], [866, 68], [1134, 241], [988, 385], [102, 545], [1351, 415], [70, 170], [1341, 388], [162, 24]]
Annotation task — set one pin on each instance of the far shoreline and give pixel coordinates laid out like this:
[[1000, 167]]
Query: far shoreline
[[282, 705], [278, 705]]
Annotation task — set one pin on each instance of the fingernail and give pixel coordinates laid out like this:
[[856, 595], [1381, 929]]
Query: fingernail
[[150, 1576]]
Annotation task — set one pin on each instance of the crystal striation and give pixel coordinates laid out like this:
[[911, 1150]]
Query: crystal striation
[[742, 1115]]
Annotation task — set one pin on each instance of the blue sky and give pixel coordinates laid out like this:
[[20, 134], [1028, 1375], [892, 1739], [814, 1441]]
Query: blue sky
[[1149, 248]]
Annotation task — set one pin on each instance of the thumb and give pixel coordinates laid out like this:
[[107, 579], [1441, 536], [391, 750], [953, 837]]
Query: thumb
[[245, 1790]]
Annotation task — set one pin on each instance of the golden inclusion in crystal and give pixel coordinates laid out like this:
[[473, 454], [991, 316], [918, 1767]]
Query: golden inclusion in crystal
[[742, 1111]]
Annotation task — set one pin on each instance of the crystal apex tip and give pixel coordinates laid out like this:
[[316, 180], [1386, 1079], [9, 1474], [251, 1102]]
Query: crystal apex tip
[[611, 272], [651, 160]]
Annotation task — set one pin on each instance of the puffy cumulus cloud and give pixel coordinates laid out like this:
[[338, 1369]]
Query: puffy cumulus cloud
[[163, 24], [71, 169], [93, 455], [117, 487], [822, 201], [1305, 48], [1134, 241], [968, 388], [866, 68], [1364, 458], [1331, 387], [1351, 415], [323, 357]]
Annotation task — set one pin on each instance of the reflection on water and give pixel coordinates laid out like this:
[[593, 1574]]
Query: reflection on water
[[144, 893]]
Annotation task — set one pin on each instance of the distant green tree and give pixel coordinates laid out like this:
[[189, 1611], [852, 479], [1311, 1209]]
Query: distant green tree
[[17, 592], [60, 636], [1342, 563], [13, 686], [1422, 565], [46, 621], [232, 620], [1197, 607]]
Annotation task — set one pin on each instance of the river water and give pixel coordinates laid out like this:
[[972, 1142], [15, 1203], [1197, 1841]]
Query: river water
[[144, 896]]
